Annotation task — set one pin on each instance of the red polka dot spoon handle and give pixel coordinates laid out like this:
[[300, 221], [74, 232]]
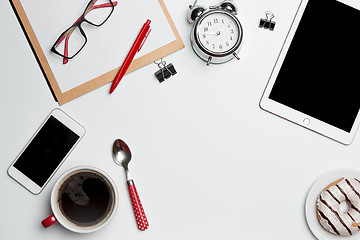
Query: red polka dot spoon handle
[[139, 212]]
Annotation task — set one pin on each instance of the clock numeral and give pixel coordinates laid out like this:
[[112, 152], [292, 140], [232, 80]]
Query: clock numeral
[[204, 36], [216, 20], [231, 38], [231, 30], [220, 46], [227, 44], [222, 20], [213, 46], [229, 25], [206, 29], [207, 42], [209, 24]]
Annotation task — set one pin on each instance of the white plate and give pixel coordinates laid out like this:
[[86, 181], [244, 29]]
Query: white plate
[[310, 204]]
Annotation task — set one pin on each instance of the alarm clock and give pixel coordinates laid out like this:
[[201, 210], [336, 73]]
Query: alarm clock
[[217, 33]]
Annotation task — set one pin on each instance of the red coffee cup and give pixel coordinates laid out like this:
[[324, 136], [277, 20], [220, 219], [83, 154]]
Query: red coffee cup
[[84, 199]]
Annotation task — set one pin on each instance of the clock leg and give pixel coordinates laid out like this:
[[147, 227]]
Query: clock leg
[[209, 60], [237, 57]]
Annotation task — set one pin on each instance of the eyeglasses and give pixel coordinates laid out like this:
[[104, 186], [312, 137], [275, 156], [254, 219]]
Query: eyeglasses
[[67, 47]]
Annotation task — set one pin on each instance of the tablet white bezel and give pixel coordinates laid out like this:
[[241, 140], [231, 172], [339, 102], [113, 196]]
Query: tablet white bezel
[[23, 179], [291, 114]]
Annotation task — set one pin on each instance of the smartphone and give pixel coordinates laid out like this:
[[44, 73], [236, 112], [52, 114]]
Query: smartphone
[[47, 149]]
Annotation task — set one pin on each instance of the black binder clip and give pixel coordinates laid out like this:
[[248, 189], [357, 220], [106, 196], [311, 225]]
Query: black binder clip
[[267, 23], [165, 72]]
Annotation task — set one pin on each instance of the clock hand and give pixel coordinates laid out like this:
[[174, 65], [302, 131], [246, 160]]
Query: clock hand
[[217, 32], [213, 33]]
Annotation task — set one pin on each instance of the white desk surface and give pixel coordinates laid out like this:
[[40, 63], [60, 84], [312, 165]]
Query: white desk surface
[[207, 161]]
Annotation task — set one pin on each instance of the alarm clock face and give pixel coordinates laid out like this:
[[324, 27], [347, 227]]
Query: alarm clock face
[[218, 33]]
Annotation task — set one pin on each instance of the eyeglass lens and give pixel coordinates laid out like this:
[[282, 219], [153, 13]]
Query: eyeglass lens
[[74, 39], [98, 11], [71, 42]]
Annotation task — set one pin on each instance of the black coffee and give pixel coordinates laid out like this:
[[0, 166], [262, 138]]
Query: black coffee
[[86, 198]]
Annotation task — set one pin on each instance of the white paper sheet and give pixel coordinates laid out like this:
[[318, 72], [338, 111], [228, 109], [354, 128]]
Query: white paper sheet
[[107, 45]]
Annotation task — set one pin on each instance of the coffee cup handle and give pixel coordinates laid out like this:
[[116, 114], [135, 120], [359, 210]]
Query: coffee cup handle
[[50, 220]]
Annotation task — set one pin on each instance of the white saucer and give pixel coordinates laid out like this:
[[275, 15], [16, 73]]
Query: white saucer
[[310, 204]]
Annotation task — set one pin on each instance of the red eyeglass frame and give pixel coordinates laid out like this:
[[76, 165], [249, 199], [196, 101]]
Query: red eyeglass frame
[[67, 33]]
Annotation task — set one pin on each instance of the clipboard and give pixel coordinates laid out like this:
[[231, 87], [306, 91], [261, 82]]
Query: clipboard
[[42, 55]]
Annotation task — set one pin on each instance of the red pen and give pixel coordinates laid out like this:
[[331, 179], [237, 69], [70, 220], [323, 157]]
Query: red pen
[[139, 42]]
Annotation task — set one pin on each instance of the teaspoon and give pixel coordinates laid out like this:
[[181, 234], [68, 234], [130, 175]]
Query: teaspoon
[[122, 156]]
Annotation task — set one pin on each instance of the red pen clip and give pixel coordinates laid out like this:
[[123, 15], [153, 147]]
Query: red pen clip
[[146, 36]]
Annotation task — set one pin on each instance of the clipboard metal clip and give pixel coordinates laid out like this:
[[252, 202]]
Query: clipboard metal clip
[[165, 72], [267, 22]]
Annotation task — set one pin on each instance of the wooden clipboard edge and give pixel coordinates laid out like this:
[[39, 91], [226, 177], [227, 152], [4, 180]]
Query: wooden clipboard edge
[[64, 97], [35, 47], [109, 76], [136, 63]]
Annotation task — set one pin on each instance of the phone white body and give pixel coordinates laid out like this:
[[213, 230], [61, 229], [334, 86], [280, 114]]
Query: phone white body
[[45, 152]]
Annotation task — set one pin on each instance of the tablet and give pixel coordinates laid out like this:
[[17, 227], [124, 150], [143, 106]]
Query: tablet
[[315, 81]]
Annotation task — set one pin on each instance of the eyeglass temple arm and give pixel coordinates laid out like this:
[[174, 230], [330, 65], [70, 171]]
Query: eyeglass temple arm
[[100, 6], [66, 54]]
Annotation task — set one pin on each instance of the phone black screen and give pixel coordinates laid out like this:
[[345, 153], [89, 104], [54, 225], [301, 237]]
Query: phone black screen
[[46, 151], [320, 74]]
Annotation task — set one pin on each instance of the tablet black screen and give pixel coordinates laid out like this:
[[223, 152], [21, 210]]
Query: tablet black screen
[[320, 73]]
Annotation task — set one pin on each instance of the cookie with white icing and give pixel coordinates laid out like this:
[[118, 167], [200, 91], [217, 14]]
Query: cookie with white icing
[[338, 207]]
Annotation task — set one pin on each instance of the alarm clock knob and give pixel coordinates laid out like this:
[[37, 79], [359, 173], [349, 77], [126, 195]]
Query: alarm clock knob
[[228, 5], [195, 12]]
